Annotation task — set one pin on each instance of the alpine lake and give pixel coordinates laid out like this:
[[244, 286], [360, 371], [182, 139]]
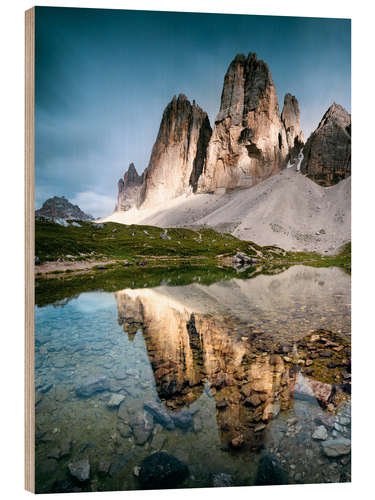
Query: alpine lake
[[242, 381]]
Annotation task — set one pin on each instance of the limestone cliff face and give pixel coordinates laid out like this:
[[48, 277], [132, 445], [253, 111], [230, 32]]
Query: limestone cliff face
[[178, 155], [290, 116], [249, 142], [327, 153], [128, 189]]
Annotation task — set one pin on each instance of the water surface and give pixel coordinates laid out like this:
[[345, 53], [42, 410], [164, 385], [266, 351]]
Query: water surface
[[243, 368]]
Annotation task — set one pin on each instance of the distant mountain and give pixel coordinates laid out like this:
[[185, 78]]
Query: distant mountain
[[128, 189], [61, 208]]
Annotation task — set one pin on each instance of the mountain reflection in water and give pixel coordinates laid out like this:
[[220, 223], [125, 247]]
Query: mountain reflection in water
[[244, 367]]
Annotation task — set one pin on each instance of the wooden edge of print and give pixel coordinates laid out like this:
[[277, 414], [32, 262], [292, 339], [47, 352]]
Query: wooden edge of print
[[29, 250]]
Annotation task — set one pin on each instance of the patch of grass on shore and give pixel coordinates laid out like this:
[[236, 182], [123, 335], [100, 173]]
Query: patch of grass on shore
[[341, 259]]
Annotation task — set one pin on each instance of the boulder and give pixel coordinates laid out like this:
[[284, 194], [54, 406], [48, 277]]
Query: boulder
[[162, 470]]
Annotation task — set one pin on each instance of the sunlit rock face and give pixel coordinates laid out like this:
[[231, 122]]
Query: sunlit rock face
[[172, 347], [193, 343], [249, 142], [128, 189], [178, 155], [327, 153]]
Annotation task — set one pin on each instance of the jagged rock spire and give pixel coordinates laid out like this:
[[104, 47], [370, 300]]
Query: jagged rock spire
[[249, 140], [178, 154]]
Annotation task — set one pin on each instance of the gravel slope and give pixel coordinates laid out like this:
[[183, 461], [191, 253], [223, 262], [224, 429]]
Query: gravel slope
[[288, 210]]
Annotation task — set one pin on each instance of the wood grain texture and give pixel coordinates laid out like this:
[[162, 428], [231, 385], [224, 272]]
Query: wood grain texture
[[29, 249]]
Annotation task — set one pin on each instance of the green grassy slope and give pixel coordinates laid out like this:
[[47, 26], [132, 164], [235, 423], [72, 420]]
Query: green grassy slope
[[117, 241]]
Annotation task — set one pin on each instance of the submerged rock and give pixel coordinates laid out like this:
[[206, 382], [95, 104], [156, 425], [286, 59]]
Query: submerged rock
[[92, 386], [162, 470], [270, 472], [80, 470], [320, 433], [336, 447], [115, 400], [160, 414], [142, 425]]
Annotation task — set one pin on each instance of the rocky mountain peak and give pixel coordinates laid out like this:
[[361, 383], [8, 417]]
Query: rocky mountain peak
[[337, 114], [59, 207], [131, 176], [179, 153], [128, 189], [290, 116], [257, 78], [327, 153], [249, 141]]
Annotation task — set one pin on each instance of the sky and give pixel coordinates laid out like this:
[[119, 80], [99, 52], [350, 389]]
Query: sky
[[104, 78]]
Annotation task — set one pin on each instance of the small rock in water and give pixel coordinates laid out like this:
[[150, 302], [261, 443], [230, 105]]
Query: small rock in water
[[92, 386], [142, 425], [115, 400], [336, 447], [320, 433], [80, 470], [162, 470], [160, 414], [221, 480]]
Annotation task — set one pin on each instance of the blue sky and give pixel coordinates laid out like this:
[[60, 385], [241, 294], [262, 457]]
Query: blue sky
[[104, 77]]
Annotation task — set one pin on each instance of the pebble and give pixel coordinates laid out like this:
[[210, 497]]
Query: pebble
[[115, 400], [320, 433]]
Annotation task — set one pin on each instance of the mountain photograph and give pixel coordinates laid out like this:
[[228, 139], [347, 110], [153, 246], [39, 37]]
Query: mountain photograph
[[192, 250]]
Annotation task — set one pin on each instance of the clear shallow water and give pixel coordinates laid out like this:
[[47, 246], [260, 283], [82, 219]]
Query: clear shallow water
[[253, 366]]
